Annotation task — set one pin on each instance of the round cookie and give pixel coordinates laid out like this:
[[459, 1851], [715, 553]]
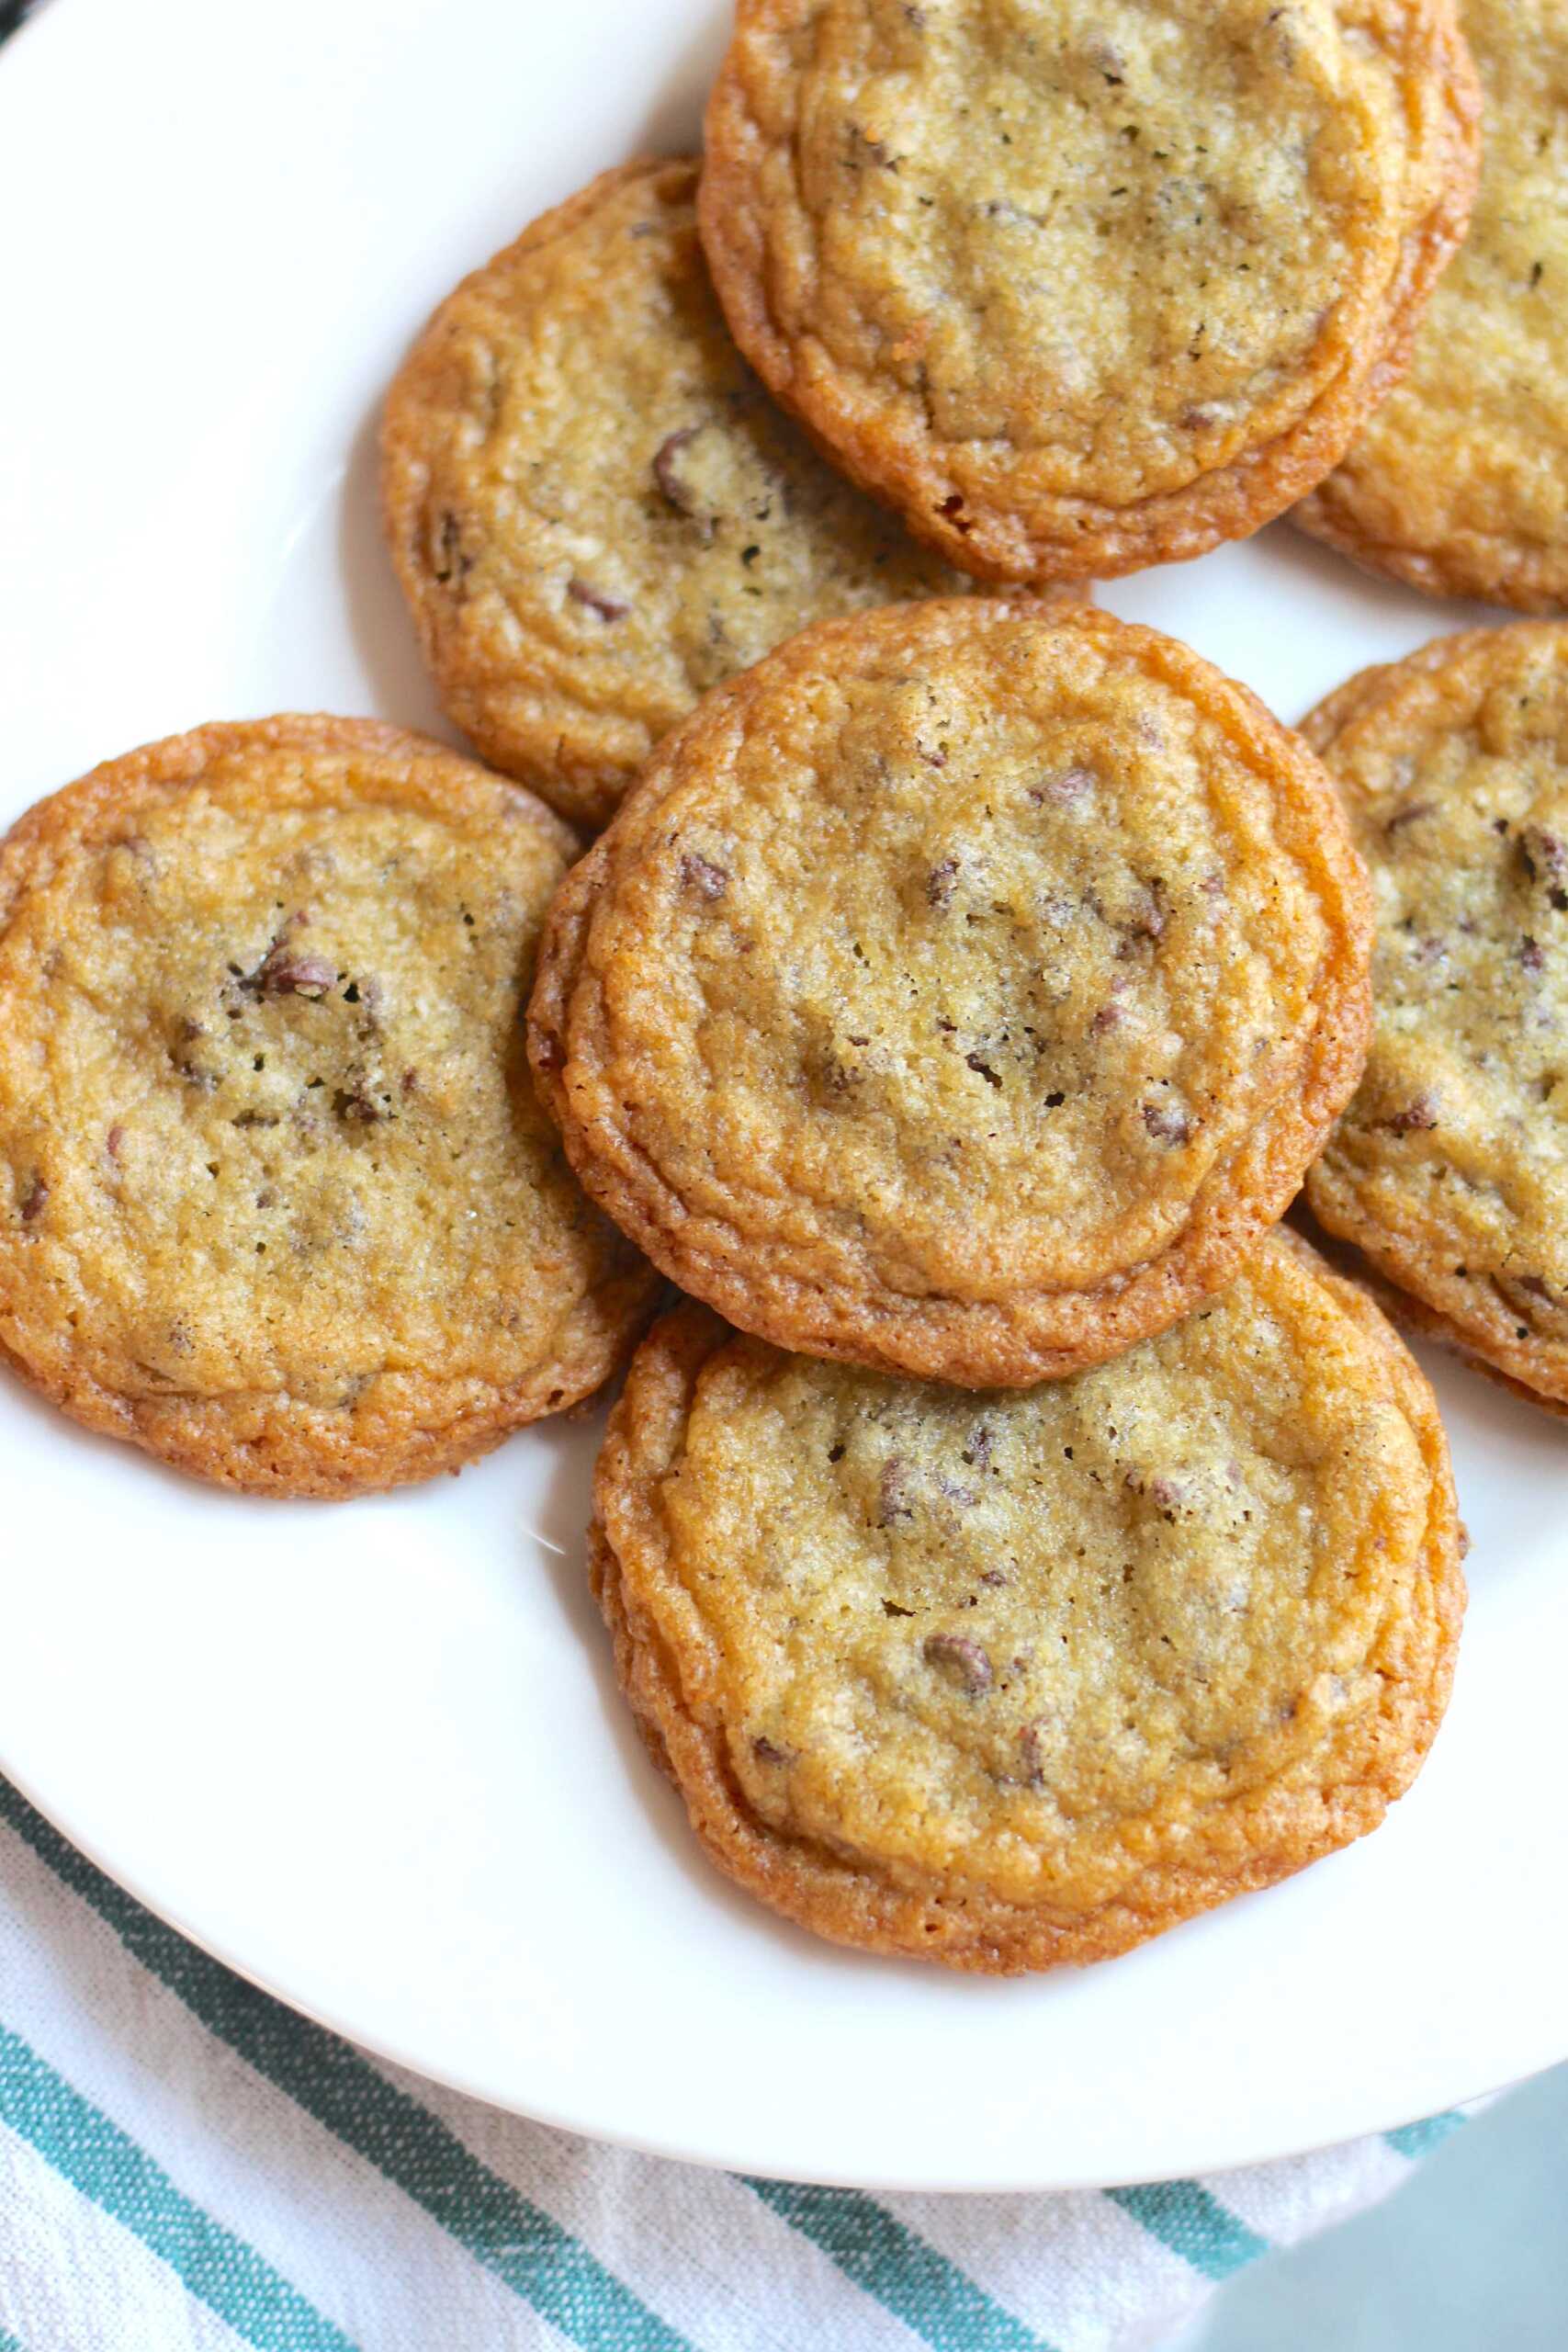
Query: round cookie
[[1459, 484], [1018, 1680], [961, 991], [1095, 284], [595, 510], [277, 1200], [1449, 1168]]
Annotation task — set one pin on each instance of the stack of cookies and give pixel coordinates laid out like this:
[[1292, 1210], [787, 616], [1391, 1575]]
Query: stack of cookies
[[1014, 1541]]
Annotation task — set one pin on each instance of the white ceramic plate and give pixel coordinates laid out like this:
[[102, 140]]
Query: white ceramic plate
[[371, 1754]]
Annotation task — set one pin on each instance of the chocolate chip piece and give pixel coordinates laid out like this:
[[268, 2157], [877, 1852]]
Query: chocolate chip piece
[[1108, 1017], [939, 884], [1531, 957], [609, 608], [1547, 858], [961, 1660], [863, 146], [709, 881], [283, 972], [1064, 791], [982, 1069], [1165, 1494], [1410, 815], [1415, 1118], [33, 1201], [1544, 854], [1149, 918], [893, 1493], [673, 489], [356, 1105], [994, 1578], [114, 1139], [767, 1751], [1167, 1122], [451, 563], [1031, 1742]]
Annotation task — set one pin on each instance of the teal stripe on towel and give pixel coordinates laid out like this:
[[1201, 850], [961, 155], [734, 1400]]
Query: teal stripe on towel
[[1418, 2138], [1190, 2222], [105, 2163], [514, 2238], [933, 2296]]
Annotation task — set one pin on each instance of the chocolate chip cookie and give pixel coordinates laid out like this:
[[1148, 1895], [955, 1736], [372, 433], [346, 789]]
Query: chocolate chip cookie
[[1011, 1682], [961, 991], [1449, 1169], [595, 510], [277, 1201], [1459, 484], [1095, 284]]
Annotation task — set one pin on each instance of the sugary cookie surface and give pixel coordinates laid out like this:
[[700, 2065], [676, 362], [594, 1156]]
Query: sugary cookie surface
[[1054, 1665], [276, 1198], [1450, 1165], [1036, 272], [596, 511], [1460, 482], [960, 991]]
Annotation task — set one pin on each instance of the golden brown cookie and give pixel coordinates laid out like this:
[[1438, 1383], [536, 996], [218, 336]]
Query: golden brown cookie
[[277, 1201], [1449, 1169], [962, 989], [1084, 287], [595, 510], [1011, 1682], [1459, 484]]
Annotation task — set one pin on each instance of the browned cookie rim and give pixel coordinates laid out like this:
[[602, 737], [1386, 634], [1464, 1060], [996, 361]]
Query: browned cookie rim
[[1498, 567], [1486, 1332], [1034, 1334], [534, 711], [579, 778], [1051, 537], [843, 1899], [283, 1458]]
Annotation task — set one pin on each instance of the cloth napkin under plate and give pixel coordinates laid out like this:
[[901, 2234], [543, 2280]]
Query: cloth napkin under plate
[[185, 2164]]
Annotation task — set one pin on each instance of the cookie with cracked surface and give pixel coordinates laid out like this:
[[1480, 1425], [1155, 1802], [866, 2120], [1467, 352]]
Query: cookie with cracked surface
[[962, 989], [1093, 283], [1449, 1168], [1020, 1680], [277, 1200], [1459, 484], [595, 510]]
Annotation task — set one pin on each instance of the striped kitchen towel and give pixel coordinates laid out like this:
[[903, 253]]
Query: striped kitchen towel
[[185, 2164]]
